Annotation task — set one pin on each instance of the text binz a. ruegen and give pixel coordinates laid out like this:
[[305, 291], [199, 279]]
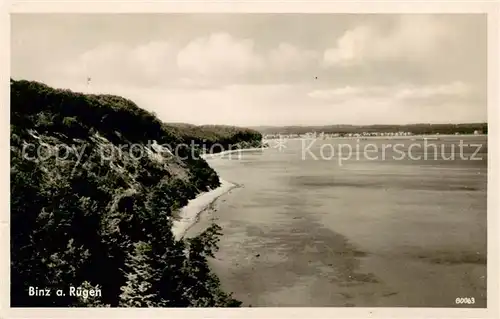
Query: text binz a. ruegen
[[72, 291]]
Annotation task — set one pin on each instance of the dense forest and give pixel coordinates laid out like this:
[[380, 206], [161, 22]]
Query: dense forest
[[92, 201], [417, 129], [215, 138]]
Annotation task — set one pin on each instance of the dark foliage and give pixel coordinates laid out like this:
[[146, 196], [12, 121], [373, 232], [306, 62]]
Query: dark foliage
[[87, 219], [217, 138]]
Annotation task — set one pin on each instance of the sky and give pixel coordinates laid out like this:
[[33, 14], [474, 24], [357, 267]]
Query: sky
[[266, 69]]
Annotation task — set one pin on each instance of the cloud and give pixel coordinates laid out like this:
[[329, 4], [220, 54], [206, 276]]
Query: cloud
[[393, 104], [144, 64], [289, 58], [250, 79], [222, 58], [215, 60], [414, 37], [455, 89], [338, 93], [455, 101], [219, 56]]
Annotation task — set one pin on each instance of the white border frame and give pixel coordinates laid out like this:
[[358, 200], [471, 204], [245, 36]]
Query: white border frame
[[492, 9]]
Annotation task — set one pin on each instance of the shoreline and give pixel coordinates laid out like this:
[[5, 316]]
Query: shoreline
[[190, 214], [220, 154]]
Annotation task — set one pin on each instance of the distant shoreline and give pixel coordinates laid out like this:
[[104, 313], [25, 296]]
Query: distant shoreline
[[402, 137], [220, 154]]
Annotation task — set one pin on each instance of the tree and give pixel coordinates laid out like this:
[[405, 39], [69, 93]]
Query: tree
[[140, 276], [84, 218]]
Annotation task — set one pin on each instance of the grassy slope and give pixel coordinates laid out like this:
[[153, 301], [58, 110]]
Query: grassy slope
[[91, 219]]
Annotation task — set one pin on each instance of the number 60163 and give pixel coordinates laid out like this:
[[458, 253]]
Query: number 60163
[[466, 301]]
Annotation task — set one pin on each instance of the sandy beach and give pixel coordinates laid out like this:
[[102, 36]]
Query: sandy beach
[[189, 214]]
